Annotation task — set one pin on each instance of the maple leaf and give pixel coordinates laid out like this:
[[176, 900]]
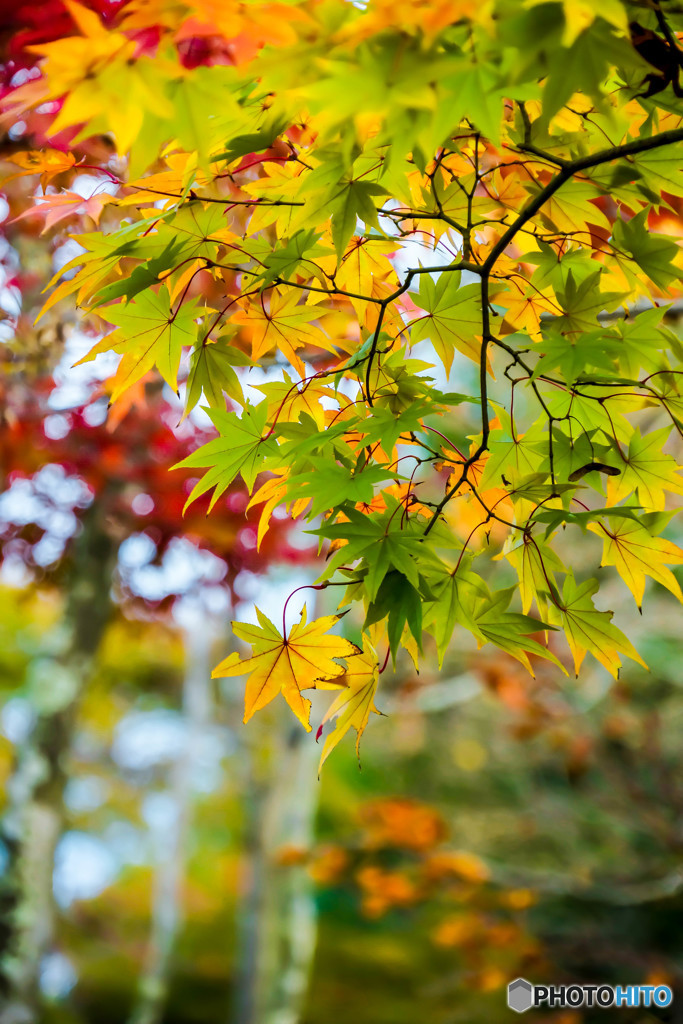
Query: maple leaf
[[380, 540], [364, 262], [287, 400], [582, 302], [48, 163], [635, 553], [331, 485], [149, 334], [453, 317], [588, 629], [648, 471], [105, 86], [271, 494], [401, 601], [212, 373], [536, 154], [511, 631], [284, 324], [286, 663], [61, 206], [353, 704], [353, 200], [534, 565], [513, 455], [652, 252], [240, 449], [524, 305], [580, 14]]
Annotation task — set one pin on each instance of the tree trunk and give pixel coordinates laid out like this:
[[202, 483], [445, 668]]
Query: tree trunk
[[34, 821], [276, 914], [172, 845]]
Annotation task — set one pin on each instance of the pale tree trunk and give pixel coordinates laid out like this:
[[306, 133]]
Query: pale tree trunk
[[276, 909], [35, 818], [172, 845]]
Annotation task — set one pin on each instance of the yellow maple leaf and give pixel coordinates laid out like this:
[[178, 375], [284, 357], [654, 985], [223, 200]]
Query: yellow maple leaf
[[287, 400], [280, 184], [353, 704], [283, 323], [105, 86], [169, 184], [635, 554], [648, 471], [286, 664], [524, 304], [271, 494]]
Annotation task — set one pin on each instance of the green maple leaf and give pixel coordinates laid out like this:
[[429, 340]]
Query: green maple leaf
[[661, 170], [453, 319], [198, 228], [212, 372], [330, 485], [142, 277], [386, 425], [347, 202], [575, 354], [588, 629], [286, 260], [510, 631], [535, 564], [462, 598], [457, 596], [652, 252], [304, 440], [582, 302], [555, 271], [205, 110], [380, 541], [514, 456], [584, 67], [476, 94], [398, 599], [642, 341], [241, 449]]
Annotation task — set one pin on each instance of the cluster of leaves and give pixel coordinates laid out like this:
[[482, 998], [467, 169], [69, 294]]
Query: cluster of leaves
[[126, 473], [401, 861], [342, 183]]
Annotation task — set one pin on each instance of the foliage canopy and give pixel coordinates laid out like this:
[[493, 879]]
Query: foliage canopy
[[499, 181]]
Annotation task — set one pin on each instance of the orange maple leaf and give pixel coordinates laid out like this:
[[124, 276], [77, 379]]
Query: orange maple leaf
[[48, 163], [61, 206]]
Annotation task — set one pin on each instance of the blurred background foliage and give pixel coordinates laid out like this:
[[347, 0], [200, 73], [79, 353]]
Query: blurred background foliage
[[161, 863]]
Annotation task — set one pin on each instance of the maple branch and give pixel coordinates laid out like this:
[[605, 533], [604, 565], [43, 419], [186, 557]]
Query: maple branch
[[528, 147], [603, 156], [529, 211]]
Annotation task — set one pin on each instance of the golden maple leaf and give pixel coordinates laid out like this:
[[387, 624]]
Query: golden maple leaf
[[356, 700], [284, 324], [636, 553], [286, 663]]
